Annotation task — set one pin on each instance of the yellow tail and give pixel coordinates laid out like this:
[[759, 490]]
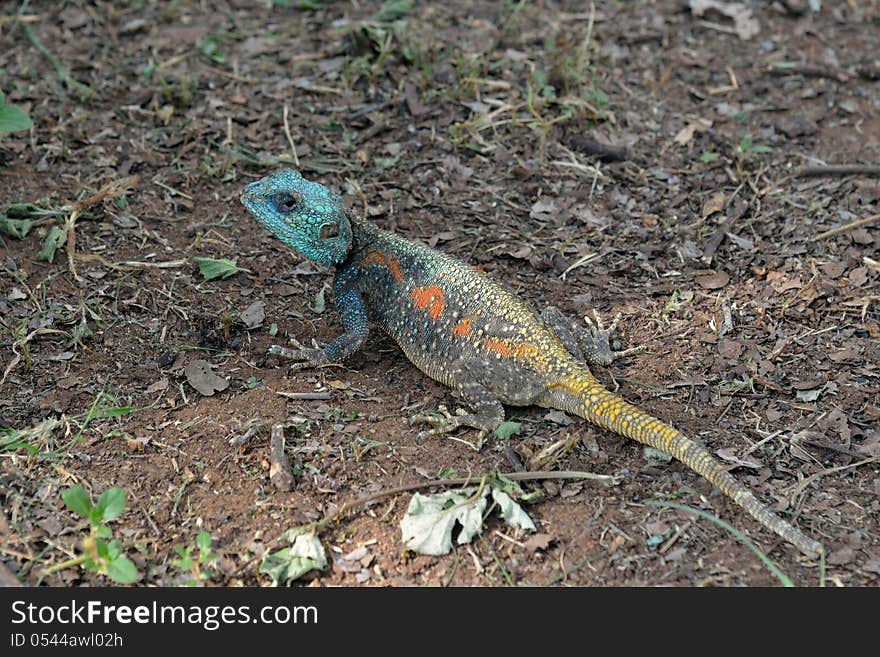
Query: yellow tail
[[581, 394]]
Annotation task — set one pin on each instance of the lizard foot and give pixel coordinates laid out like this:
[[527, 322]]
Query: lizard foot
[[596, 343], [444, 422], [306, 357]]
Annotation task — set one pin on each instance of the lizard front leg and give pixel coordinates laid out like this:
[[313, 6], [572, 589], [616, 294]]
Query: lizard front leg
[[589, 342], [353, 313]]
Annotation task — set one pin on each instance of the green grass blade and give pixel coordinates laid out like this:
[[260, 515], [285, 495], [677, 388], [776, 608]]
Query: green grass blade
[[782, 577]]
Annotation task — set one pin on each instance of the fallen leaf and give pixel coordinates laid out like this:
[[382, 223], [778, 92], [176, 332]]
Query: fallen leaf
[[544, 209], [303, 556], [842, 556], [199, 376], [512, 512], [730, 348], [413, 101], [429, 520], [158, 386], [745, 25], [558, 417], [713, 280], [254, 314], [858, 276], [729, 454], [686, 134], [847, 355], [713, 204]]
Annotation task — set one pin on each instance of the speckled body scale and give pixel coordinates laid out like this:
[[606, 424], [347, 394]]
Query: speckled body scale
[[464, 330]]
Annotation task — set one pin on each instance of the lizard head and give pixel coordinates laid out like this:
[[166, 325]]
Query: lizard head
[[304, 215]]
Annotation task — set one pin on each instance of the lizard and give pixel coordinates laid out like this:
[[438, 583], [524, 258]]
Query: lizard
[[464, 330]]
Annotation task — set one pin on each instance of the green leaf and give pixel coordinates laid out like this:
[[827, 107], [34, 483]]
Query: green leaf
[[77, 500], [114, 548], [184, 563], [507, 429], [203, 540], [15, 228], [103, 550], [210, 268], [122, 570], [210, 46], [290, 563], [54, 241], [13, 119], [114, 411], [25, 210], [392, 10], [429, 520], [709, 156], [82, 331], [111, 503]]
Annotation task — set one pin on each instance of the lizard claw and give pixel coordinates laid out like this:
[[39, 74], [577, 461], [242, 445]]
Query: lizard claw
[[443, 423], [598, 347], [306, 357]]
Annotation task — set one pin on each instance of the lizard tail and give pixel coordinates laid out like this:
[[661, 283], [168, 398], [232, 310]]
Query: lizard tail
[[583, 395]]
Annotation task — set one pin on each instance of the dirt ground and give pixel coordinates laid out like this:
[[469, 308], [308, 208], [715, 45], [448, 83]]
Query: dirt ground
[[640, 159]]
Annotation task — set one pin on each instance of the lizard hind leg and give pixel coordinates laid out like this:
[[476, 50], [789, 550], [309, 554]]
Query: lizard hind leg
[[589, 342], [486, 414]]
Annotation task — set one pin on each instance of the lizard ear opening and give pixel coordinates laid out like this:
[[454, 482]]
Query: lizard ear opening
[[329, 231]]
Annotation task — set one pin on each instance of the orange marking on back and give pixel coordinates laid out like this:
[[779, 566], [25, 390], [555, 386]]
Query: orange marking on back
[[430, 297], [510, 349], [394, 268], [463, 328], [382, 260]]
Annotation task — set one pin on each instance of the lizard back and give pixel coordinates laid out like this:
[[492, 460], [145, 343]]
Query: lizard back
[[444, 313]]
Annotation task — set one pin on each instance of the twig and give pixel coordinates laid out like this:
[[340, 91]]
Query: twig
[[842, 229], [289, 137], [306, 395], [63, 73], [131, 264], [279, 464], [808, 71], [838, 170], [802, 486]]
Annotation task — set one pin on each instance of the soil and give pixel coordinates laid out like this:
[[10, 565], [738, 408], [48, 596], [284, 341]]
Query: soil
[[639, 159]]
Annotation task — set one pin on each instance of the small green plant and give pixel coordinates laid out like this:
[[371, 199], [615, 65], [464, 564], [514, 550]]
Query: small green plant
[[254, 382], [12, 117], [200, 564], [748, 150], [210, 47], [99, 554], [41, 439]]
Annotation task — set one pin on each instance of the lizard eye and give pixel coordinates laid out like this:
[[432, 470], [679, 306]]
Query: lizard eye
[[329, 231], [286, 203]]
